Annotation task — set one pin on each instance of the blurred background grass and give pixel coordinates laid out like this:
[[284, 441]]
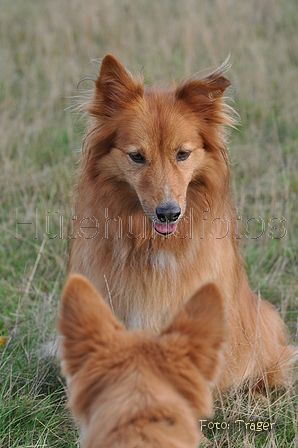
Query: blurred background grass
[[45, 49]]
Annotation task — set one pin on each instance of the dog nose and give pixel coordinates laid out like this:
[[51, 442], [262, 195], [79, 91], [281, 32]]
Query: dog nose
[[168, 212]]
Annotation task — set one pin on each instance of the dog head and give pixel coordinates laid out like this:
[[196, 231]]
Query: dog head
[[138, 388], [161, 143]]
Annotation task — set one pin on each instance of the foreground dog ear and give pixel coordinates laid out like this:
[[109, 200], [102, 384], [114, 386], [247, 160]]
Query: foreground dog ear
[[86, 322], [202, 321], [115, 88]]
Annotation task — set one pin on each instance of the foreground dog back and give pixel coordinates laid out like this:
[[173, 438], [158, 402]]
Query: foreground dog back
[[139, 388]]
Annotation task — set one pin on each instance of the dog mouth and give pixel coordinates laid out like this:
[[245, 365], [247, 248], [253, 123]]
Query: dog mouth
[[165, 229], [165, 217]]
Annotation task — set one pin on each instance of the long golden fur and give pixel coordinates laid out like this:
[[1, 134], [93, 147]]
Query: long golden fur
[[138, 388], [146, 147]]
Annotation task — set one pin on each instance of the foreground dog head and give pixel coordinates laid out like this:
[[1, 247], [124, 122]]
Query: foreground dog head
[[137, 388], [160, 144]]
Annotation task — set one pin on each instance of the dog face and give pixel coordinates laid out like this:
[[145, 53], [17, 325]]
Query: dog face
[[139, 388], [157, 142]]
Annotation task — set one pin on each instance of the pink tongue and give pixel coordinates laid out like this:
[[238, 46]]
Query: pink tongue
[[165, 228]]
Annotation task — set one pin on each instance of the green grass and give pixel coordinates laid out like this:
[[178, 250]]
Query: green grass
[[32, 404], [45, 51]]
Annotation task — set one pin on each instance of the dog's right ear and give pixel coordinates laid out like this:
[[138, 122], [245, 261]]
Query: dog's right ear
[[115, 88], [202, 323], [86, 323]]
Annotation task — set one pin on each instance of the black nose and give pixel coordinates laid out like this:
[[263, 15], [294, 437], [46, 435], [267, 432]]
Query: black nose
[[168, 212]]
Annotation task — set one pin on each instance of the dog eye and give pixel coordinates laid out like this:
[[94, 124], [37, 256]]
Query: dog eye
[[182, 155], [137, 157]]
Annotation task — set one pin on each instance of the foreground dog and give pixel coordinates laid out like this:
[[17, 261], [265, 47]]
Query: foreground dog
[[155, 218], [138, 388]]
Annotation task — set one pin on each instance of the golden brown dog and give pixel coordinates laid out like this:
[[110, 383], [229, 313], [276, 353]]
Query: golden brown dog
[[138, 388], [155, 218]]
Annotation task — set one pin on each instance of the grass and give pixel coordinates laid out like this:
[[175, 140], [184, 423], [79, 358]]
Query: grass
[[45, 51]]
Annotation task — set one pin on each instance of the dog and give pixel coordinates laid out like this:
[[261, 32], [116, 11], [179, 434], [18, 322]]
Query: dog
[[139, 388], [155, 218]]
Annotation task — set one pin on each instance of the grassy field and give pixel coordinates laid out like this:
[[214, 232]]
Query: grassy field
[[45, 49]]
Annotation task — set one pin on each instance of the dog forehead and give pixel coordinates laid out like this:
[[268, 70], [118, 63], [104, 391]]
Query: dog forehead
[[166, 119], [158, 122]]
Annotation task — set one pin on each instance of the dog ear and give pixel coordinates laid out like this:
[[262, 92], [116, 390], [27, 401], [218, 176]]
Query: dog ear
[[211, 88], [204, 97], [115, 88], [86, 323], [202, 321]]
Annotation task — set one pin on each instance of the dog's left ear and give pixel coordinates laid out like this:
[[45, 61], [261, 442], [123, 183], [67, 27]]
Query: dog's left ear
[[204, 97], [201, 325], [86, 323], [211, 87]]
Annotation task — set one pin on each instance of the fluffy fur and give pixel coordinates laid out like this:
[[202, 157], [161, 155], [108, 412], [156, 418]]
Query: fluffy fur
[[146, 276], [138, 388]]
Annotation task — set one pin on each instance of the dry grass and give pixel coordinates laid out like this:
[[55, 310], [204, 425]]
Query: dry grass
[[45, 50]]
